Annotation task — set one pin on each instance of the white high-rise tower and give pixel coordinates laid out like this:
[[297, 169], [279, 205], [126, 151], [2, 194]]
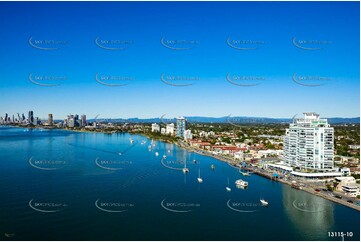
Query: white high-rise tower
[[308, 143]]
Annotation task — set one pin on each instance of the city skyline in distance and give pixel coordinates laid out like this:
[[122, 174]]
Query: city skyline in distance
[[231, 119]]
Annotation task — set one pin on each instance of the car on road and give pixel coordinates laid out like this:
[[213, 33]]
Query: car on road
[[349, 201], [338, 196]]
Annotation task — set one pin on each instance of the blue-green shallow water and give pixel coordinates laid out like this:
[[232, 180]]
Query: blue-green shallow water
[[68, 182]]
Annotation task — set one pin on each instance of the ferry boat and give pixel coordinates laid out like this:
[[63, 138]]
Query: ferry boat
[[241, 183], [263, 202]]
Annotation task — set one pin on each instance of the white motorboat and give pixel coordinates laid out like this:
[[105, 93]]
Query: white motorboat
[[244, 173], [264, 202], [156, 153], [164, 156]]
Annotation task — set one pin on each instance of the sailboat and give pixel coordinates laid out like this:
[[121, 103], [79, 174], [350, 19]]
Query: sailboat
[[228, 188], [185, 169], [200, 180]]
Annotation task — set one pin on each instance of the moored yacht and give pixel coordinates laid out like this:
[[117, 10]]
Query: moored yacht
[[185, 169], [241, 183]]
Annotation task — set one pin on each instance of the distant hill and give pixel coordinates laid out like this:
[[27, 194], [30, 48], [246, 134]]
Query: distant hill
[[236, 119]]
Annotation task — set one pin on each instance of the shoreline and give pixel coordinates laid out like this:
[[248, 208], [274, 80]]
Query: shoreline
[[229, 161], [266, 174]]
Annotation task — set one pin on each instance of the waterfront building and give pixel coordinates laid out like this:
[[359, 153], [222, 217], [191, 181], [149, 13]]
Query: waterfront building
[[170, 129], [162, 131], [155, 127], [188, 134], [50, 119], [181, 126], [308, 143]]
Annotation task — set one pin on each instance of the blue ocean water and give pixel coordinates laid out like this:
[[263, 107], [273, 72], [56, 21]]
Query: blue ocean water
[[63, 185]]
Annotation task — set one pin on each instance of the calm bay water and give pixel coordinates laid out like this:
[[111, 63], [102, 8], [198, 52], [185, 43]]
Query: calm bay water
[[61, 185]]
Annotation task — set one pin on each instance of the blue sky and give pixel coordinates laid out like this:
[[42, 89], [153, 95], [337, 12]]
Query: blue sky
[[272, 25]]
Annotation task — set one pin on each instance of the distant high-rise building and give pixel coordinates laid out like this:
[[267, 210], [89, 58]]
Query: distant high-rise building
[[155, 127], [6, 117], [50, 119], [181, 126], [71, 123], [23, 118], [170, 129], [308, 143], [31, 117], [83, 120]]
